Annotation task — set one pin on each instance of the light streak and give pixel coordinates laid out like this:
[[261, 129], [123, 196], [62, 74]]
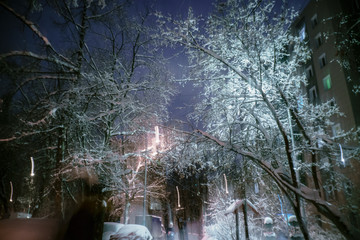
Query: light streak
[[28, 215], [11, 192], [226, 186], [32, 167], [177, 189], [157, 139], [341, 155]]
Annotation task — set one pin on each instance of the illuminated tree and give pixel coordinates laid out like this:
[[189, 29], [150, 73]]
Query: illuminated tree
[[73, 90], [253, 98]]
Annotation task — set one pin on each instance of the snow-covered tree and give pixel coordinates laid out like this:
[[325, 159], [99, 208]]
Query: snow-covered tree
[[126, 183], [253, 99], [94, 77]]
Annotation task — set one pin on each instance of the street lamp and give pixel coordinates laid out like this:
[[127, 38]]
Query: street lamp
[[178, 194], [226, 186], [144, 203], [32, 167], [11, 192], [157, 141], [157, 138]]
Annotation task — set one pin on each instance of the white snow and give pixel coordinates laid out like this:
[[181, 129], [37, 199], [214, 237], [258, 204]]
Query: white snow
[[112, 226], [116, 231], [292, 219], [237, 204], [268, 220]]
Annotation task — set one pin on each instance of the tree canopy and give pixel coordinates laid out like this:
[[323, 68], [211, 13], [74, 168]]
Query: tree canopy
[[254, 99]]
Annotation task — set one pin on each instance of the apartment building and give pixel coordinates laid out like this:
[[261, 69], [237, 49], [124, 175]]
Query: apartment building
[[328, 27]]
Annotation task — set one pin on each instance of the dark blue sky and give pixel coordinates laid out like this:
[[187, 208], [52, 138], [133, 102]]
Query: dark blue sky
[[14, 36], [201, 6], [182, 103]]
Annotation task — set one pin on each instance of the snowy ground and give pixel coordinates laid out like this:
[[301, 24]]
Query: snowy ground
[[28, 229], [47, 229], [117, 231]]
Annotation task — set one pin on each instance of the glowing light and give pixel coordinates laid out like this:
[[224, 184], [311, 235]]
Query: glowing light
[[177, 190], [157, 139], [32, 167], [226, 186], [28, 215], [153, 153], [341, 155], [11, 191]]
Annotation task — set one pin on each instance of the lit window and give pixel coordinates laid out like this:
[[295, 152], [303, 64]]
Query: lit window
[[300, 103], [302, 32], [327, 82], [318, 40], [314, 21], [336, 129], [322, 60], [256, 187]]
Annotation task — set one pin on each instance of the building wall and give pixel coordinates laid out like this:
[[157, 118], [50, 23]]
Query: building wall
[[321, 19], [324, 10]]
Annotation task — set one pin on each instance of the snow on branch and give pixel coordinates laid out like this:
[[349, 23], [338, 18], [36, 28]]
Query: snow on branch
[[51, 113], [38, 57], [25, 134], [309, 194], [33, 28], [28, 23]]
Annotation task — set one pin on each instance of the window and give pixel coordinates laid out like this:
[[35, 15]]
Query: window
[[329, 192], [309, 72], [302, 33], [320, 142], [357, 4], [312, 94], [318, 220], [322, 60], [327, 82], [314, 21], [300, 103], [348, 188], [318, 40], [155, 204], [256, 188], [332, 102], [336, 129]]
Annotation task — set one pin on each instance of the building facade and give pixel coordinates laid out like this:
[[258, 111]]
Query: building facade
[[330, 28]]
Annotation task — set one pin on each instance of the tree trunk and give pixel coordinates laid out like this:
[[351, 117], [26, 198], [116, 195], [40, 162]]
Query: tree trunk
[[246, 225], [328, 210], [300, 218], [58, 182], [127, 209], [5, 210], [237, 225], [82, 32], [243, 192]]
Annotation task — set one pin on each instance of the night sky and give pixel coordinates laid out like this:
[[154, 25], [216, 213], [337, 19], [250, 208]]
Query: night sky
[[183, 102], [16, 38]]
